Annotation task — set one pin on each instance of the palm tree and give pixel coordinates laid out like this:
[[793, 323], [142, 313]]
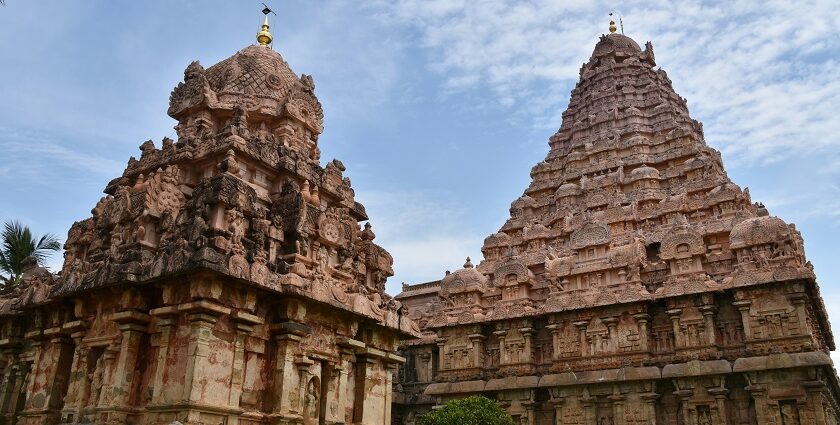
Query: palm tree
[[17, 243]]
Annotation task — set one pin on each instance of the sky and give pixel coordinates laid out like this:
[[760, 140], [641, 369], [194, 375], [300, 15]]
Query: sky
[[439, 109]]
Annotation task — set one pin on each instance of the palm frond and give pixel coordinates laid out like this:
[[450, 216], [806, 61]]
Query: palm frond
[[19, 243]]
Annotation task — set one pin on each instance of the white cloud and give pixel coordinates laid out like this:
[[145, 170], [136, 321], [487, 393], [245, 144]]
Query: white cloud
[[426, 233], [762, 75], [28, 154]]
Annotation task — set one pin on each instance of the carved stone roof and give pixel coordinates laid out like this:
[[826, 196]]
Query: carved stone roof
[[644, 172], [757, 231], [254, 70], [256, 80], [465, 279], [615, 42]]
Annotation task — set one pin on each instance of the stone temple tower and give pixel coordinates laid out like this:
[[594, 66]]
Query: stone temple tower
[[223, 279], [634, 282]]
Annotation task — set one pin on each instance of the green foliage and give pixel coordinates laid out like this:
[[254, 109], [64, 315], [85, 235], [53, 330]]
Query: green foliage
[[473, 410], [17, 243]]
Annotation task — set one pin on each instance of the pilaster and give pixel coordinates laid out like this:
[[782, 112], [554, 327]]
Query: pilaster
[[674, 315], [133, 325], [287, 337], [478, 349], [709, 323], [202, 317], [166, 318], [581, 327], [642, 320], [243, 326], [744, 308]]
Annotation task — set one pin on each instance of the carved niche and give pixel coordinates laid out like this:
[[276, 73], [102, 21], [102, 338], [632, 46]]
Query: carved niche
[[513, 277], [683, 250]]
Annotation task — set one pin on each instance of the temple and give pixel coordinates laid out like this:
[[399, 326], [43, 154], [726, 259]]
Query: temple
[[223, 279], [633, 284]]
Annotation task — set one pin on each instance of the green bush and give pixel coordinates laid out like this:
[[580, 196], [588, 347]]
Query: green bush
[[474, 410]]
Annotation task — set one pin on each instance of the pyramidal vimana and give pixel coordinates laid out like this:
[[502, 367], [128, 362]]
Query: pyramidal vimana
[[634, 283]]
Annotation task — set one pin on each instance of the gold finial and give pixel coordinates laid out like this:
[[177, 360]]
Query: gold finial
[[264, 36], [612, 26]]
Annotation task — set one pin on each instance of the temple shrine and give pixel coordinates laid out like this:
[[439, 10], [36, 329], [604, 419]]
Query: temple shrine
[[223, 279], [633, 284]]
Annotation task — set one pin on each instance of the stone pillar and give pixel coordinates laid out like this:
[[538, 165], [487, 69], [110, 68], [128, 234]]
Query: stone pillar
[[581, 326], [342, 369], [684, 396], [675, 321], [303, 365], [9, 374], [390, 368], [17, 378], [650, 402], [79, 386], [618, 408], [50, 375], [202, 316], [244, 326], [133, 325], [814, 401], [709, 323], [11, 351], [424, 362], [165, 320], [108, 359], [557, 402], [555, 342], [762, 404], [362, 414], [744, 308], [612, 323], [642, 320], [503, 358], [478, 349], [798, 301], [530, 412], [441, 344], [37, 347], [527, 356], [588, 403], [287, 337], [720, 395]]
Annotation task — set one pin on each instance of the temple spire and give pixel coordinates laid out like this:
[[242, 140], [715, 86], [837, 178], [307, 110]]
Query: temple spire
[[264, 37]]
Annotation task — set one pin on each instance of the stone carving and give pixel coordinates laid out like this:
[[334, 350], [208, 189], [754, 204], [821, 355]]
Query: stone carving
[[216, 275], [631, 257]]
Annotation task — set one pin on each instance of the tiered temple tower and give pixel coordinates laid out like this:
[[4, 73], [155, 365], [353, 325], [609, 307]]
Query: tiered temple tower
[[633, 284], [223, 279]]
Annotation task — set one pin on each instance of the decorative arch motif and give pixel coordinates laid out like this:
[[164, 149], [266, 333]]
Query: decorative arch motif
[[514, 267], [672, 243], [591, 234]]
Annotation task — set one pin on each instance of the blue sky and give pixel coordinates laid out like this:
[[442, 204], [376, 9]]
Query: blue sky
[[439, 109]]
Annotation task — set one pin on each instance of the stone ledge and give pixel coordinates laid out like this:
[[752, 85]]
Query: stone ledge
[[596, 376], [692, 368], [249, 318], [782, 361], [204, 306], [697, 368]]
